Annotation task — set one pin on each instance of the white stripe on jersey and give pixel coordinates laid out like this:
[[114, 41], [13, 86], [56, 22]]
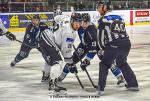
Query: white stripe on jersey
[[108, 33], [50, 39], [102, 38], [98, 40], [45, 39]]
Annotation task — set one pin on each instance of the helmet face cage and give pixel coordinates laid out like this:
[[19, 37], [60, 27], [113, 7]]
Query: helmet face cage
[[76, 17], [86, 17]]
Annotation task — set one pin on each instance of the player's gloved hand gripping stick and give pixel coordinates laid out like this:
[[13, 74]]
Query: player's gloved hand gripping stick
[[85, 69]]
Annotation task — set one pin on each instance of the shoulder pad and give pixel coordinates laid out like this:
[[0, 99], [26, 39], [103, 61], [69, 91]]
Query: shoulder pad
[[29, 25], [91, 26], [42, 24]]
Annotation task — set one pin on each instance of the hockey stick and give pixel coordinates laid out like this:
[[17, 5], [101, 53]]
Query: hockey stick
[[21, 42], [79, 81], [90, 79], [85, 69]]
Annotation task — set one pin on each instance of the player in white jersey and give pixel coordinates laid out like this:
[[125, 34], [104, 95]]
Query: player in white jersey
[[4, 31], [59, 21], [60, 40]]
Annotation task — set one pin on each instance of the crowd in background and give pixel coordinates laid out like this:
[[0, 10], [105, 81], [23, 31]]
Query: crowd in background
[[19, 6]]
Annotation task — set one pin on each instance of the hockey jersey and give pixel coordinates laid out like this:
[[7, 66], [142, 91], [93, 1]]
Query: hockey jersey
[[32, 33], [63, 39], [2, 28], [111, 27], [88, 38]]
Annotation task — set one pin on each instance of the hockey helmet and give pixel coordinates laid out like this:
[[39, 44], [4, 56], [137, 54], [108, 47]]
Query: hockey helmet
[[86, 17], [35, 20], [107, 3], [36, 17], [76, 17]]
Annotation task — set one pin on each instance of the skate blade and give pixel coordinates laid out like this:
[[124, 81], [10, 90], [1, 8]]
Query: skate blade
[[56, 94], [45, 81], [133, 89], [89, 89]]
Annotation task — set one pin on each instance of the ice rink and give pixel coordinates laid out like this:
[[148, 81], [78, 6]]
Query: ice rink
[[23, 83]]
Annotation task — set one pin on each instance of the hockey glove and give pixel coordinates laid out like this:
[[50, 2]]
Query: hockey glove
[[100, 54], [10, 36], [84, 64], [72, 68]]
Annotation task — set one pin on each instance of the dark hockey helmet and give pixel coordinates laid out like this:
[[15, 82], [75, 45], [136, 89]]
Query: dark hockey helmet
[[86, 17], [108, 4], [76, 17], [36, 17]]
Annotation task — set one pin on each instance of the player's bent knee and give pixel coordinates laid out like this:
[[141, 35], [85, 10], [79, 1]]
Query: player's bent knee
[[55, 70]]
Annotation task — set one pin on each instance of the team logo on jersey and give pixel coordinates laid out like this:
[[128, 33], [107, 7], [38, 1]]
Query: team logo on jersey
[[69, 40], [80, 51]]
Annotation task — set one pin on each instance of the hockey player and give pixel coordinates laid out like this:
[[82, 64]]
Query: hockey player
[[112, 37], [31, 38], [4, 31], [83, 47], [59, 21], [60, 40], [87, 34]]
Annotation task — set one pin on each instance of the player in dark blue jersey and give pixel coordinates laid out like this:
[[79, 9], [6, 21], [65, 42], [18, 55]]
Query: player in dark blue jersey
[[31, 38], [113, 38]]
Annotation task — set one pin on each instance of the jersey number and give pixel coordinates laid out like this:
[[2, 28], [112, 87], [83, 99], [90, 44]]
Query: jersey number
[[118, 27]]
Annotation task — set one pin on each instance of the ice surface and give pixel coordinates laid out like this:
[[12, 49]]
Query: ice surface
[[23, 82]]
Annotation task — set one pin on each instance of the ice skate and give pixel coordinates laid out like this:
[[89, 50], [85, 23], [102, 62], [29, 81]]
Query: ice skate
[[132, 88], [100, 93], [121, 81], [55, 89]]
